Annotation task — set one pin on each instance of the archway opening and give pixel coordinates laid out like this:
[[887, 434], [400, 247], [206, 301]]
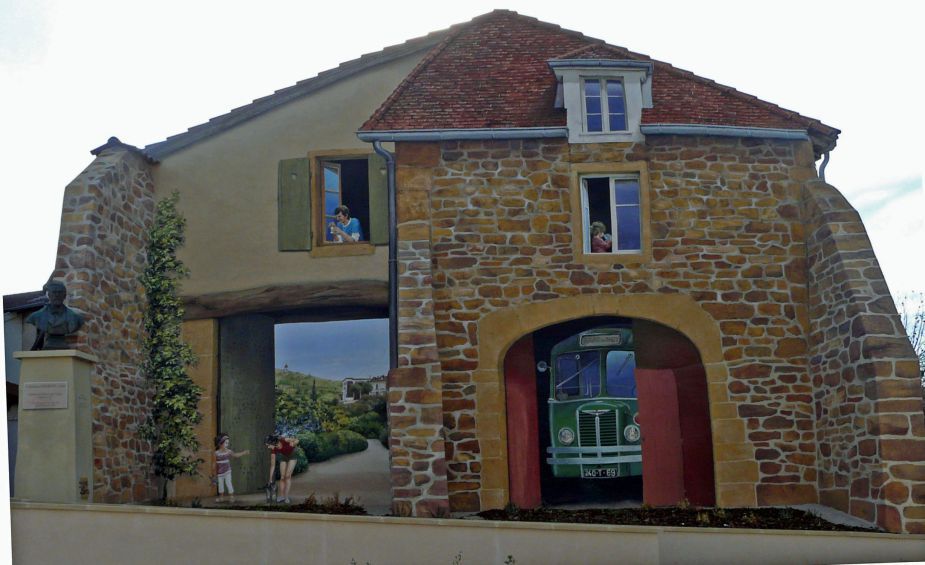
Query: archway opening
[[607, 410]]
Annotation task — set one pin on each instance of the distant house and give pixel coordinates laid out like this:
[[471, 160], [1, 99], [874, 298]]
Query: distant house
[[350, 392], [587, 248]]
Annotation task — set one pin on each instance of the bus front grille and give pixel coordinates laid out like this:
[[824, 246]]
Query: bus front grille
[[597, 428]]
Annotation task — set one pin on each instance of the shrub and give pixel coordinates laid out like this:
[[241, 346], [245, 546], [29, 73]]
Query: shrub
[[384, 437], [322, 446], [367, 425]]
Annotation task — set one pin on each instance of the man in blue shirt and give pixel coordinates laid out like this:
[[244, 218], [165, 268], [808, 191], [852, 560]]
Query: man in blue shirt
[[346, 229]]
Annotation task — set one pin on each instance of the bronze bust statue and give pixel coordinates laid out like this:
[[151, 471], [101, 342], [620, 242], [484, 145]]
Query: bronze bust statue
[[54, 321]]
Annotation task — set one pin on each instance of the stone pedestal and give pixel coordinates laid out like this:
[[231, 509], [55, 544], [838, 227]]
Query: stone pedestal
[[54, 459]]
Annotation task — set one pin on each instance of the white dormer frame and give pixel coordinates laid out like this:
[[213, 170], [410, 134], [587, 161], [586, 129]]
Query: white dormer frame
[[637, 90]]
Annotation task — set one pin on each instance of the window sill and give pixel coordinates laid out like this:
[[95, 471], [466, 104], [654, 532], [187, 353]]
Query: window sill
[[613, 258], [342, 249], [583, 136]]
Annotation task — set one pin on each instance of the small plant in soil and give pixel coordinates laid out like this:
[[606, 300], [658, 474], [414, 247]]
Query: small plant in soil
[[312, 505]]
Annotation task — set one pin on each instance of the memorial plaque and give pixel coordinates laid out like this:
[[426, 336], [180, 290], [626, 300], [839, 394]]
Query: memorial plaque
[[43, 396]]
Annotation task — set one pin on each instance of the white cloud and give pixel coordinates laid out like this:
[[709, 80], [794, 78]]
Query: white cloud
[[897, 233]]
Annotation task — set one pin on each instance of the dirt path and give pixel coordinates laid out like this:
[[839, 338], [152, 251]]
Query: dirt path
[[363, 476]]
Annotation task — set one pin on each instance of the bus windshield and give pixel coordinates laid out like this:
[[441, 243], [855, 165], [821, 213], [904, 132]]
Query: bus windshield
[[621, 380], [578, 375]]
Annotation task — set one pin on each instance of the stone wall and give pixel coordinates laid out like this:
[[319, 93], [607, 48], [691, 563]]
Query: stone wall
[[101, 255], [725, 230], [416, 444], [868, 404]]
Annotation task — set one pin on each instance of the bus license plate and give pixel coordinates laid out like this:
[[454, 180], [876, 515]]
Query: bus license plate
[[598, 473]]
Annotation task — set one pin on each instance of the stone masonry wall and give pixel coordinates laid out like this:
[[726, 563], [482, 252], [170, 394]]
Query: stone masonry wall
[[416, 443], [101, 255], [726, 230], [868, 402]]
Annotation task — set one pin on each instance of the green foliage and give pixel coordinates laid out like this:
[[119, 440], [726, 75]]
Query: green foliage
[[307, 403], [322, 446], [912, 314], [175, 397], [367, 425]]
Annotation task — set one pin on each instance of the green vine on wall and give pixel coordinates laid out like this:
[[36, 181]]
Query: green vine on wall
[[170, 427]]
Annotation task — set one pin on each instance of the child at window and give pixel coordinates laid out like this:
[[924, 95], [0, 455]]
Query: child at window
[[600, 240]]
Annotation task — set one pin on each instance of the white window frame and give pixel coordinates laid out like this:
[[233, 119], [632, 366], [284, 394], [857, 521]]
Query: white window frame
[[605, 105], [586, 213], [637, 94]]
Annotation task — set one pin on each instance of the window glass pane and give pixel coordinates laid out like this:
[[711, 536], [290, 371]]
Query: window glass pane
[[628, 236], [577, 375], [617, 122], [627, 191], [331, 181], [620, 368], [594, 122], [615, 88], [331, 201], [592, 88], [593, 105]]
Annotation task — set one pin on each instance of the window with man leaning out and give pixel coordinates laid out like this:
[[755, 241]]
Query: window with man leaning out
[[611, 214], [332, 201], [346, 201]]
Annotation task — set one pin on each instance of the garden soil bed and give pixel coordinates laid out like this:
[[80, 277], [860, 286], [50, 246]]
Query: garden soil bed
[[756, 518], [666, 516]]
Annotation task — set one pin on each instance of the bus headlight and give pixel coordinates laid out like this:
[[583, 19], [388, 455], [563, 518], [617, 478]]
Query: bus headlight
[[631, 433], [566, 436]]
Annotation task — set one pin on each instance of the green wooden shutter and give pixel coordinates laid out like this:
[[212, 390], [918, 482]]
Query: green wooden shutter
[[378, 201], [295, 205]]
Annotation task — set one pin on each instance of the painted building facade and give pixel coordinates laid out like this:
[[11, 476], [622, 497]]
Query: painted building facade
[[748, 282]]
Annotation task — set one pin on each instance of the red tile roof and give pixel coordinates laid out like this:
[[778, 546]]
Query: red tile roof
[[493, 72]]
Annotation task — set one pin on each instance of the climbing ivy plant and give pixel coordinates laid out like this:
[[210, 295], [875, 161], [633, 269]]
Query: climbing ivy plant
[[176, 397]]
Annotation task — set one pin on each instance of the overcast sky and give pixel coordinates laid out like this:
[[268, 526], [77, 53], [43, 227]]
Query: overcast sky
[[74, 73]]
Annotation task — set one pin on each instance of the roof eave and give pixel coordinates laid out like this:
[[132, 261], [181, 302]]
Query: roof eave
[[463, 134]]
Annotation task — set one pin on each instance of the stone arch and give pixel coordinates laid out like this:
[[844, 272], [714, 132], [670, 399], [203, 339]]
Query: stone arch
[[735, 470]]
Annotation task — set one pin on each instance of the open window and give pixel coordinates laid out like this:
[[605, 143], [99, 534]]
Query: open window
[[610, 218], [611, 210], [333, 203], [345, 197]]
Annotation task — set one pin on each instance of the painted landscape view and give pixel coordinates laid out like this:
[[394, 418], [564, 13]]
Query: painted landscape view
[[329, 417]]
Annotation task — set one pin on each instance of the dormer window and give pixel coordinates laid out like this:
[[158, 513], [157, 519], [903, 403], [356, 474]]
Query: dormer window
[[603, 98], [605, 105]]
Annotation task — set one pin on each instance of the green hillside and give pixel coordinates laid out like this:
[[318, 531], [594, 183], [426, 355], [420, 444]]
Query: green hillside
[[301, 383]]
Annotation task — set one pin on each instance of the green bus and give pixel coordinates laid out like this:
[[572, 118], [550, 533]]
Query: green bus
[[593, 412]]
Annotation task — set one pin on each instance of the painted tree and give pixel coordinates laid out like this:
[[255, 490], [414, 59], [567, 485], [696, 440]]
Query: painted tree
[[912, 314], [174, 410]]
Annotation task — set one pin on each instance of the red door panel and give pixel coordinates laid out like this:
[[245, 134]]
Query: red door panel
[[662, 459], [696, 437], [523, 451]]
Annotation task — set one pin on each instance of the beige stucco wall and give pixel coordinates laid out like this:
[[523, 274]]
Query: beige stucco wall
[[228, 188]]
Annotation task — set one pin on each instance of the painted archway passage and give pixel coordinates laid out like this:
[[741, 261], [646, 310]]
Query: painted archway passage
[[498, 332], [577, 394]]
